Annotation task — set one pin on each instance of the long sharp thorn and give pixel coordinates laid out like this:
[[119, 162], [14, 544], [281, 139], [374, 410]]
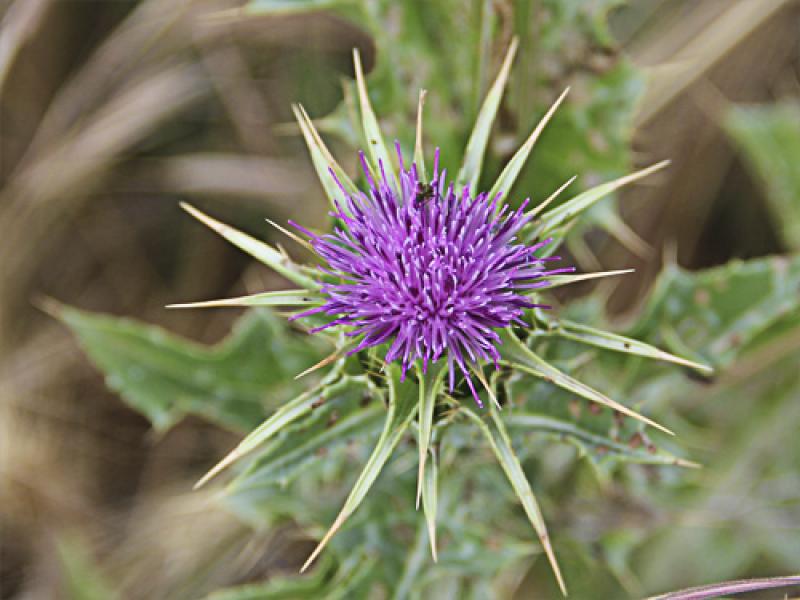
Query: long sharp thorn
[[482, 378], [231, 458], [551, 557], [325, 361], [324, 542], [288, 233], [559, 280], [539, 208], [418, 152]]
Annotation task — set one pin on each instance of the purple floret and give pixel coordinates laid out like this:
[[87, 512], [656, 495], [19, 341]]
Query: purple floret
[[430, 271]]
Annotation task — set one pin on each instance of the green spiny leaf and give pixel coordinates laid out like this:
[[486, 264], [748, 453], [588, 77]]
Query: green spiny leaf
[[166, 377], [430, 500], [547, 201], [419, 153], [720, 311], [333, 420], [717, 590]]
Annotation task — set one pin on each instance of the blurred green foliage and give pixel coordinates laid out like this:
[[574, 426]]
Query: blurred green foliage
[[722, 312], [235, 384], [769, 137], [83, 580]]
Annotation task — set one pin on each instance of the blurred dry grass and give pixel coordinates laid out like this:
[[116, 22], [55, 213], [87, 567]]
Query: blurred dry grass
[[110, 112], [701, 57]]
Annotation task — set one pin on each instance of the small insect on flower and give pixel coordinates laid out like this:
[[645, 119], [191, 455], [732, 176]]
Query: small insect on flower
[[430, 271]]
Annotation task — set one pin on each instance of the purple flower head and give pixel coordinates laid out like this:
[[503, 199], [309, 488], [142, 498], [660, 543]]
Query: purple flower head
[[428, 271]]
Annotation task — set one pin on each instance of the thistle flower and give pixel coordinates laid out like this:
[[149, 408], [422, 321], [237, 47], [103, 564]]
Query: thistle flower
[[437, 274], [427, 270]]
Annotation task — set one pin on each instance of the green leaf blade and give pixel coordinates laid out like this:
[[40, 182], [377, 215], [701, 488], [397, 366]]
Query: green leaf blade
[[516, 354], [618, 343], [289, 298], [430, 500], [430, 383], [257, 249], [552, 219], [376, 145], [470, 171], [286, 414], [500, 443], [403, 405], [528, 421], [322, 160], [509, 174]]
